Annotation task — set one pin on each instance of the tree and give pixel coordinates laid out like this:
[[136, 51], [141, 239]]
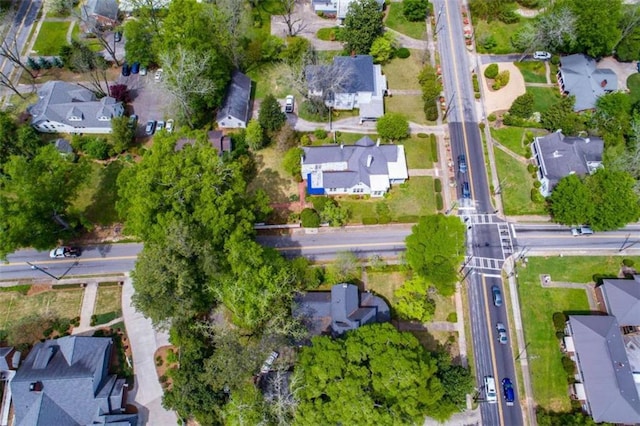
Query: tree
[[286, 138], [120, 92], [457, 382], [431, 89], [413, 302], [344, 269], [309, 218], [392, 126], [291, 162], [101, 33], [435, 250], [294, 22], [388, 375], [335, 214], [233, 23], [270, 116], [122, 133], [597, 28], [254, 135], [491, 71], [383, 48], [35, 199], [562, 116], [415, 10], [522, 106], [570, 202], [138, 44], [362, 25], [613, 117]]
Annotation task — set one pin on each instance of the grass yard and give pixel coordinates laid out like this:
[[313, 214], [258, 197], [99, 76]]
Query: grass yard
[[262, 17], [414, 198], [402, 74], [351, 138], [516, 184], [500, 31], [434, 341], [51, 37], [396, 21], [633, 84], [15, 305], [411, 106], [419, 153], [384, 284], [108, 303], [270, 78], [329, 34], [511, 137], [271, 177], [548, 376], [543, 97], [532, 71], [97, 198]]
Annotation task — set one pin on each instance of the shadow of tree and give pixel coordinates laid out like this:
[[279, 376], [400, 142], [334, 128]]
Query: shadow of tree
[[102, 209]]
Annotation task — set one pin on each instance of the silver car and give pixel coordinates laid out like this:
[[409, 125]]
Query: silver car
[[502, 333]]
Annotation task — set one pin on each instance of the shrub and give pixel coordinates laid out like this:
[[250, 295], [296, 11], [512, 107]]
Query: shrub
[[491, 117], [423, 135], [555, 59], [319, 203], [537, 184], [320, 133], [310, 218], [527, 152], [415, 10], [569, 366], [408, 219], [491, 71], [305, 140], [522, 106], [476, 84], [481, 125], [439, 202], [452, 317], [369, 221], [383, 220], [503, 78], [477, 95], [628, 263], [159, 361], [536, 196], [94, 319], [559, 320], [97, 148], [403, 53], [437, 185], [531, 168]]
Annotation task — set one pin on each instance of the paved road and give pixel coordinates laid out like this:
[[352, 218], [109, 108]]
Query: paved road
[[25, 16]]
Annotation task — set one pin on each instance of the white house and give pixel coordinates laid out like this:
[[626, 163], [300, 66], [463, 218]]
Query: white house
[[365, 168], [69, 108], [337, 8], [235, 111]]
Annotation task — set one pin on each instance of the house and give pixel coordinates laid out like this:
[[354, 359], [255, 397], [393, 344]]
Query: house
[[236, 108], [9, 358], [622, 300], [355, 82], [557, 156], [63, 147], [607, 383], [69, 108], [365, 168], [337, 8], [578, 76], [216, 138], [103, 13], [340, 310], [66, 382], [129, 6]]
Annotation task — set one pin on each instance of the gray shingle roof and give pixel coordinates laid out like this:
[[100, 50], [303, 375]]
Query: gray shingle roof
[[63, 146], [105, 8], [583, 80], [65, 382], [9, 358], [607, 376], [358, 69], [562, 155], [622, 298], [237, 101]]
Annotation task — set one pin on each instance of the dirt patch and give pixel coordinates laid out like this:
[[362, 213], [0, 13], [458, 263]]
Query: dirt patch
[[102, 234], [498, 100], [39, 288], [165, 359]]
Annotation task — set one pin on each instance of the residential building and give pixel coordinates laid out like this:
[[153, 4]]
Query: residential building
[[65, 381], [578, 76], [103, 13], [337, 8], [350, 82], [235, 111], [557, 156], [342, 309], [9, 358], [365, 168], [219, 141], [69, 108], [622, 300]]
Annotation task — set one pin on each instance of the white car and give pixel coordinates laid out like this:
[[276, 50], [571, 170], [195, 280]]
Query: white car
[[143, 70], [581, 230], [169, 126], [289, 103], [541, 55], [160, 125], [158, 75], [64, 251], [502, 333]]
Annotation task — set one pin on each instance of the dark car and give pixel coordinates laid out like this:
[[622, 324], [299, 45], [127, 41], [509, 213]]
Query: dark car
[[466, 191], [638, 66], [507, 391], [64, 251], [133, 121], [497, 296], [117, 37], [150, 128], [126, 69], [462, 164], [135, 68]]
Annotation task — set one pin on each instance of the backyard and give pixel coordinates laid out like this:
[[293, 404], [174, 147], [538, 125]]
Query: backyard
[[515, 186], [396, 21], [543, 97], [270, 78], [633, 84], [548, 375], [51, 37], [533, 71]]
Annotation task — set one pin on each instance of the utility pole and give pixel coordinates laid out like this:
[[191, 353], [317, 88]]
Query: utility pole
[[37, 268], [446, 112]]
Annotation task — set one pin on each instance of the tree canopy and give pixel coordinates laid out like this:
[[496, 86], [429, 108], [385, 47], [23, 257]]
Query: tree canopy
[[362, 25], [392, 126]]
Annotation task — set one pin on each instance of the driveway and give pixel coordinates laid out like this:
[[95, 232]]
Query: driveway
[[622, 69], [500, 100], [311, 22], [150, 100], [147, 392]]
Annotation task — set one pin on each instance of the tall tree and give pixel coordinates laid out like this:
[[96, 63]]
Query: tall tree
[[362, 25], [270, 116], [122, 134], [562, 116], [613, 117], [597, 27], [138, 44], [570, 202], [294, 22], [392, 126]]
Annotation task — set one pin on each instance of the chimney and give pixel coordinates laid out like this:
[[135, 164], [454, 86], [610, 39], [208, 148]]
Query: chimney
[[378, 142], [369, 160], [603, 83]]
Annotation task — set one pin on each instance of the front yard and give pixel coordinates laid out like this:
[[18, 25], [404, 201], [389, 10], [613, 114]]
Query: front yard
[[532, 71], [97, 198], [410, 106], [500, 32], [396, 21], [108, 303], [543, 97], [515, 185], [52, 36]]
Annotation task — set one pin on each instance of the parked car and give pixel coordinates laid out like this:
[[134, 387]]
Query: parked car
[[462, 163], [289, 103], [160, 125], [466, 190], [126, 70], [135, 68], [133, 121], [497, 296], [490, 390], [158, 75], [117, 37], [143, 70], [507, 390], [502, 333], [169, 126], [269, 362], [64, 251], [581, 230], [150, 128], [540, 55]]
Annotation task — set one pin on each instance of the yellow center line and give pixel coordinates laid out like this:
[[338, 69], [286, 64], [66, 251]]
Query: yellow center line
[[568, 237], [337, 246], [493, 354]]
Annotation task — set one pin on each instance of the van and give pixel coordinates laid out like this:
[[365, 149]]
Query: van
[[462, 163], [490, 390]]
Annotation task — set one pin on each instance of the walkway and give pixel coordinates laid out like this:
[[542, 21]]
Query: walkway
[[88, 304], [509, 152], [408, 42], [424, 172], [353, 125]]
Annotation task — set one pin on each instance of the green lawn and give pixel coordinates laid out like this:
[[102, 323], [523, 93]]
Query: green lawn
[[262, 17], [511, 137], [108, 303], [411, 106], [351, 138], [270, 78], [633, 84], [51, 37], [418, 152], [271, 177], [59, 303], [516, 184], [327, 33], [548, 376], [416, 197], [500, 31], [402, 74], [543, 97], [396, 21], [97, 198], [532, 71]]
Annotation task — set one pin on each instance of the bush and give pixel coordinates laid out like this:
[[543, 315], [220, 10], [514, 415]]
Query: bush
[[305, 140], [423, 135], [491, 117], [559, 320], [437, 185], [408, 219], [476, 84], [477, 95], [320, 133], [537, 184], [522, 106], [310, 218], [415, 10], [503, 78], [319, 203], [439, 202], [481, 125], [628, 263], [536, 196], [369, 221], [491, 71], [555, 59], [383, 220], [527, 152], [97, 148], [531, 168], [569, 366], [452, 317], [403, 53]]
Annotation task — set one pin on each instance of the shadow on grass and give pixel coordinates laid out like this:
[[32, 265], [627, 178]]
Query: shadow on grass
[[102, 209], [271, 182]]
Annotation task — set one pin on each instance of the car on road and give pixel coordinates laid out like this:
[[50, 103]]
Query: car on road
[[540, 55], [466, 191], [64, 251], [157, 77], [490, 390], [289, 103], [581, 230], [502, 333], [507, 391], [170, 126], [497, 296], [126, 70], [269, 362], [133, 121], [150, 128], [462, 163], [160, 125], [117, 37]]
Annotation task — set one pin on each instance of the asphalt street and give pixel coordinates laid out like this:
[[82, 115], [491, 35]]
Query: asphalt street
[[23, 20]]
